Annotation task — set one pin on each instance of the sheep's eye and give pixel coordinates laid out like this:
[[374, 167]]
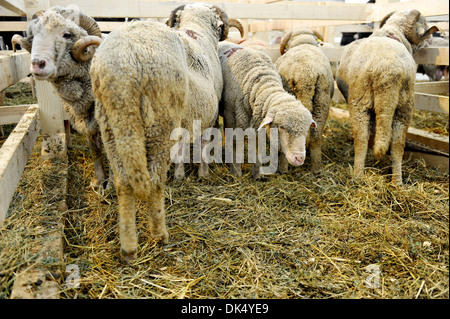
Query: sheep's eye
[[67, 35]]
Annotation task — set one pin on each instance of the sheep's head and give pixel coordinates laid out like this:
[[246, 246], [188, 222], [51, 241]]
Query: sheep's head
[[300, 35], [200, 13], [58, 35], [293, 124], [414, 26]]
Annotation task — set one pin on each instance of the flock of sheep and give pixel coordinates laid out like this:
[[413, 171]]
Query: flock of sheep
[[127, 91]]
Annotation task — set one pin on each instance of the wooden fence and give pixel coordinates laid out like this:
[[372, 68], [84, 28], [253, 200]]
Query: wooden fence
[[328, 17]]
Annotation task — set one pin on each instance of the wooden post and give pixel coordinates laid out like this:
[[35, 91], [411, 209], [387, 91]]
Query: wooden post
[[51, 110]]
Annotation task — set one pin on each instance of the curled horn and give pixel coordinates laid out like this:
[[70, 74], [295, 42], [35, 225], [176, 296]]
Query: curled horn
[[235, 23], [225, 27], [173, 16], [386, 17], [24, 43], [318, 35], [431, 30], [79, 51], [284, 41], [410, 27], [89, 24]]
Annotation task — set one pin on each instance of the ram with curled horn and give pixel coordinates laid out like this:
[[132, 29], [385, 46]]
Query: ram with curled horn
[[376, 75], [62, 43]]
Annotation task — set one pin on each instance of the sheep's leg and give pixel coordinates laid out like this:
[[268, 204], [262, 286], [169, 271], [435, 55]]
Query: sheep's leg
[[127, 221], [397, 150], [203, 171], [95, 145], [235, 167], [283, 164], [360, 127], [157, 215], [400, 126], [179, 167]]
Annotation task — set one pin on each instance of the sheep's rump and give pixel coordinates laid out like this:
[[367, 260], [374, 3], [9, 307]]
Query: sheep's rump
[[140, 88], [311, 73], [379, 66]]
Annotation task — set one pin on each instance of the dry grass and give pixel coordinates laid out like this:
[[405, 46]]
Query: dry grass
[[296, 235]]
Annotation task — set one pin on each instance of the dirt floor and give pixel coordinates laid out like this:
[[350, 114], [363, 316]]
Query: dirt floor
[[294, 235]]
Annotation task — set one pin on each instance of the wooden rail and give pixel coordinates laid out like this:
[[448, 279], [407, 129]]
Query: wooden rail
[[14, 155]]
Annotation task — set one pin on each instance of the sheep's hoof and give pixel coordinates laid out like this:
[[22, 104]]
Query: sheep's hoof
[[235, 171], [203, 173], [162, 237], [128, 256]]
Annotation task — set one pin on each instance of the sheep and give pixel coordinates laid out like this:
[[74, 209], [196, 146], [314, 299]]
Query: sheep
[[143, 93], [433, 71], [376, 76], [59, 41], [209, 113], [306, 73], [254, 97]]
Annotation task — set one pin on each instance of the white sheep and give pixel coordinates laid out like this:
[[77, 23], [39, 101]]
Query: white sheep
[[147, 80], [59, 41], [376, 76], [306, 73], [254, 97]]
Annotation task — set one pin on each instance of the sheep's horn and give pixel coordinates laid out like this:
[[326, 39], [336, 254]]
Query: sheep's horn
[[173, 16], [37, 14], [410, 27], [317, 34], [235, 23], [79, 51], [386, 17], [226, 26], [431, 30], [90, 25], [18, 39], [284, 41]]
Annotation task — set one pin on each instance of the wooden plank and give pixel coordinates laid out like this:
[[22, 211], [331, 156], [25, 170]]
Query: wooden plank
[[8, 26], [433, 160], [12, 114], [426, 8], [431, 102], [430, 139], [156, 9], [13, 67], [436, 87], [16, 6], [14, 155]]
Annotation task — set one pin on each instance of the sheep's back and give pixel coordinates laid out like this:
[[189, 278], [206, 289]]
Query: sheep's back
[[305, 70]]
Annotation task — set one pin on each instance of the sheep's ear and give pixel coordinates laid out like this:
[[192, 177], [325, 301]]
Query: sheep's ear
[[313, 124], [267, 120]]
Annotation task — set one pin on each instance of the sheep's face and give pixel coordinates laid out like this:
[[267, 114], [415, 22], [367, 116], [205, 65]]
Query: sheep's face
[[293, 128], [52, 37], [422, 27]]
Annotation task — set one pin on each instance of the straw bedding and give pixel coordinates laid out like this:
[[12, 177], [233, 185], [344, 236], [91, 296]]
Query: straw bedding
[[295, 235]]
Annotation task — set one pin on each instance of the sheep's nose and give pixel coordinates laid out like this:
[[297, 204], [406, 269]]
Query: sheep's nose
[[38, 64], [299, 159]]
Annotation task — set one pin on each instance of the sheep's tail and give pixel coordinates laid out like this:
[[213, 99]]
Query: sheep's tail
[[385, 107], [123, 129]]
